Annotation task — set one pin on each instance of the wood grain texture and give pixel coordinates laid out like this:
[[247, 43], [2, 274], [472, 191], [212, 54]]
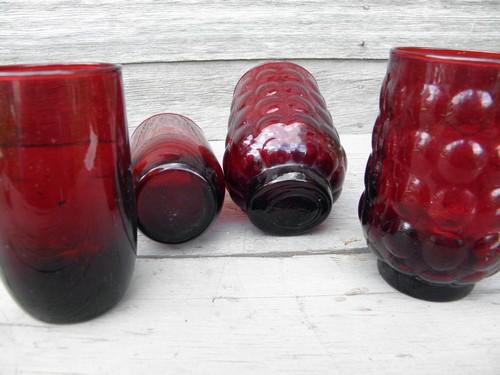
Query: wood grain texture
[[318, 314], [145, 31], [203, 91], [232, 234]]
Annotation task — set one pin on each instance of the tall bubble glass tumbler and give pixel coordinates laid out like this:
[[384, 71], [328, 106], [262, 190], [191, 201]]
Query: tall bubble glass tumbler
[[284, 163], [431, 206], [67, 215]]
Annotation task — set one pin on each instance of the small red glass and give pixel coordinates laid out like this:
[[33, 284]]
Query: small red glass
[[284, 164], [431, 206], [67, 215], [179, 182]]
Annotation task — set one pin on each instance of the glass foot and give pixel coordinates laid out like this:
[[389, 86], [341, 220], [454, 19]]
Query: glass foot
[[420, 289], [289, 200]]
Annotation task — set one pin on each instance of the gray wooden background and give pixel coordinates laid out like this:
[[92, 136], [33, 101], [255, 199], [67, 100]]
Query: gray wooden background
[[186, 56]]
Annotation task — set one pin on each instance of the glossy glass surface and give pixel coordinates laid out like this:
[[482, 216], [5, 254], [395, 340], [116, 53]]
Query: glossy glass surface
[[179, 183], [67, 215], [431, 206], [284, 164]]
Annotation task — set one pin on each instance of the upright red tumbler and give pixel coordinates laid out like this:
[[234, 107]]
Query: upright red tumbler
[[284, 164], [431, 206], [67, 214], [179, 182]]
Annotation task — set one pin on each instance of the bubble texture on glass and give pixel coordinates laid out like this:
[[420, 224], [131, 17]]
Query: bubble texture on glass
[[431, 205]]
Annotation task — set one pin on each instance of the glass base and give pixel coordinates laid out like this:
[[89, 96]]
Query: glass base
[[72, 289], [175, 203], [420, 289], [289, 200]]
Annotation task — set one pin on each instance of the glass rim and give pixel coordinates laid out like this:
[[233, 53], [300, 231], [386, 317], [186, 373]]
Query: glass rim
[[170, 115], [271, 62], [16, 71], [449, 56]]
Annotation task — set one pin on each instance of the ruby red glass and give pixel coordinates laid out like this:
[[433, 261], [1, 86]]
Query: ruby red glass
[[284, 164], [67, 215], [179, 182], [431, 206]]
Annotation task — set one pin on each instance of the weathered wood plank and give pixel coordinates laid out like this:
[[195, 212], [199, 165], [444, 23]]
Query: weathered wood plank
[[145, 31], [203, 91], [233, 234], [302, 315]]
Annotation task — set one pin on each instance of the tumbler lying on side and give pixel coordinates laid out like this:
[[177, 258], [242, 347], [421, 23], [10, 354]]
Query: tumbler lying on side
[[431, 206], [67, 213], [179, 183], [284, 164]]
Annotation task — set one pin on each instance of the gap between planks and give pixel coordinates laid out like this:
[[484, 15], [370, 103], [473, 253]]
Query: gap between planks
[[257, 60], [270, 254]]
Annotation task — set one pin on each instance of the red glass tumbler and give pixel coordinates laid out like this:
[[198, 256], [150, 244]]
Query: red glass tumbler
[[431, 206], [179, 182], [67, 215], [284, 164]]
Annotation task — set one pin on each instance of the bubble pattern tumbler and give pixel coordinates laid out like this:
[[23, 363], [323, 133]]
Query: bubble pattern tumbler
[[284, 164], [431, 206]]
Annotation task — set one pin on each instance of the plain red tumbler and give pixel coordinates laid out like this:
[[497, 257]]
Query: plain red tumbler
[[67, 215], [179, 182], [284, 164], [431, 206]]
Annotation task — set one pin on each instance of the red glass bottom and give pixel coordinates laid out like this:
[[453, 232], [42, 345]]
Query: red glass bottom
[[288, 200], [67, 236], [174, 203], [73, 288], [414, 287]]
